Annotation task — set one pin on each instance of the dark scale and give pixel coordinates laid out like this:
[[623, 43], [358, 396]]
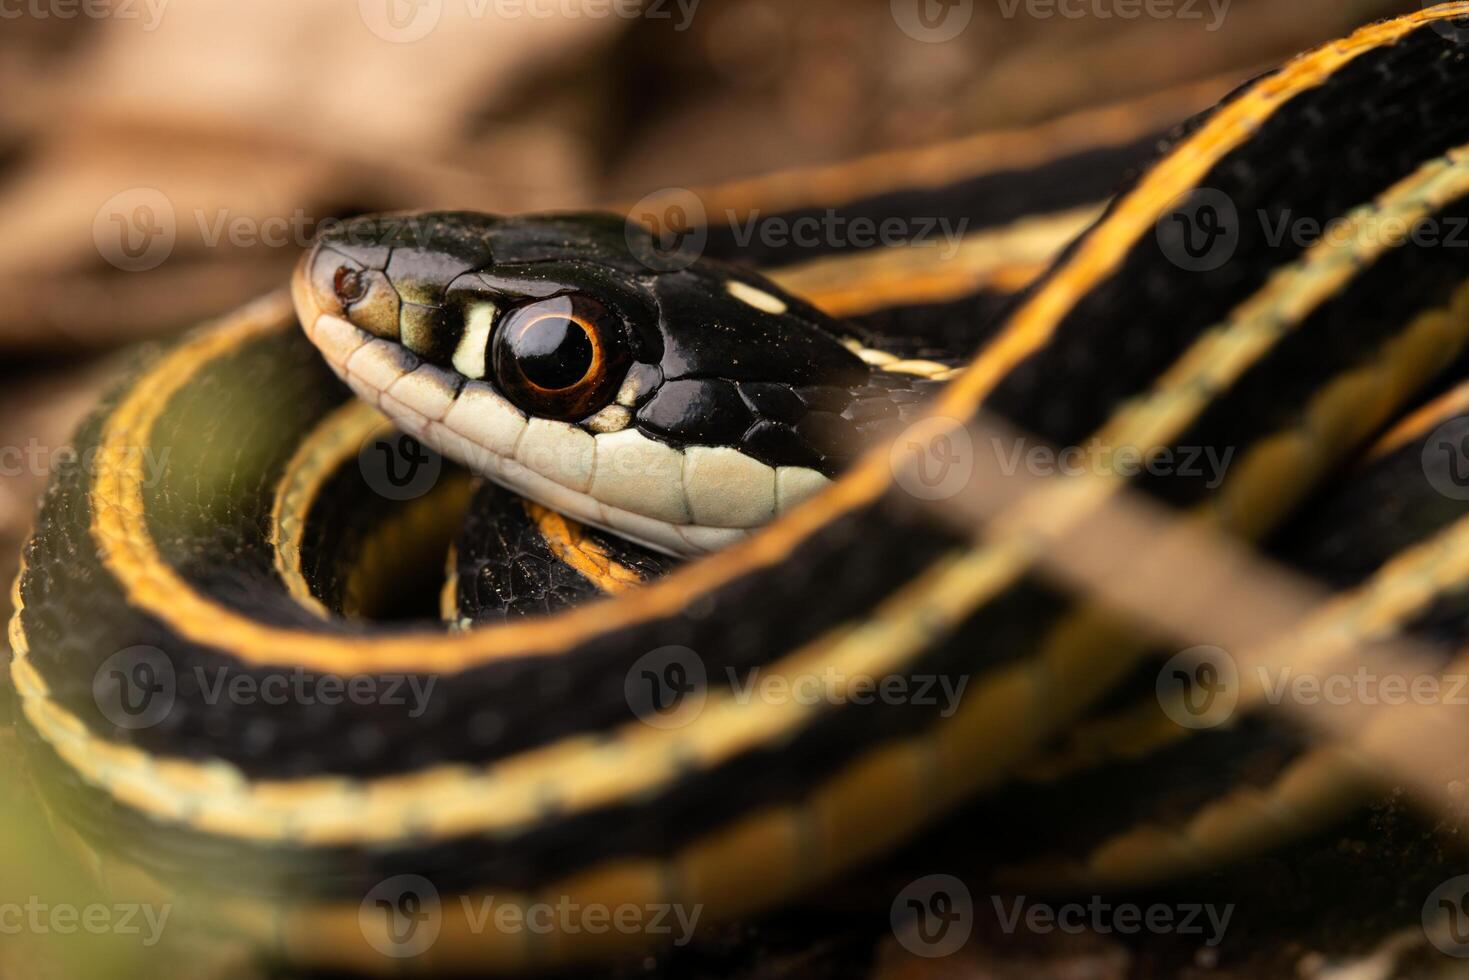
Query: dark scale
[[697, 411]]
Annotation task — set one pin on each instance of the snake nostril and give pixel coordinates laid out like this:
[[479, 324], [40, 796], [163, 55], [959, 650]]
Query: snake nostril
[[349, 285]]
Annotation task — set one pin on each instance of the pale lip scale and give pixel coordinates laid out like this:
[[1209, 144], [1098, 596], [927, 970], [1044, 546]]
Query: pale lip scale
[[683, 502]]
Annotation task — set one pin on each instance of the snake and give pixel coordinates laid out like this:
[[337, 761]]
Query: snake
[[661, 478]]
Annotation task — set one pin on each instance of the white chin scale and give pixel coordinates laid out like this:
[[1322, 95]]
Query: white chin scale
[[682, 502]]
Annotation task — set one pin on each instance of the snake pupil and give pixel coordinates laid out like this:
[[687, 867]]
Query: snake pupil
[[554, 352], [559, 358]]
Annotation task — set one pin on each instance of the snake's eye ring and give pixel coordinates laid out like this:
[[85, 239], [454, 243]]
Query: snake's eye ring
[[349, 284], [560, 358]]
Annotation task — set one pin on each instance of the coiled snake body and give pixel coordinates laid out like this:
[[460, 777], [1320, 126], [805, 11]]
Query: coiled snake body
[[701, 410]]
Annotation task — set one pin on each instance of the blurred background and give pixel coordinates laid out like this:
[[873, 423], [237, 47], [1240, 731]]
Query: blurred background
[[162, 161]]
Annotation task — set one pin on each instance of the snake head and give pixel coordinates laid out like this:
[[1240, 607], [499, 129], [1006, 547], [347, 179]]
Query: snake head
[[681, 407]]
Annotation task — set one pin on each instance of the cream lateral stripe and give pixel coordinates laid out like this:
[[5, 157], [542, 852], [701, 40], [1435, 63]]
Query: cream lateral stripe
[[1230, 607], [1222, 354], [943, 163], [578, 773], [1288, 296], [1136, 213], [1403, 363], [1128, 734], [955, 588], [849, 285], [336, 439], [883, 361], [1225, 352], [1312, 790], [129, 554], [457, 800], [715, 863], [1410, 566], [1412, 570], [1214, 588]]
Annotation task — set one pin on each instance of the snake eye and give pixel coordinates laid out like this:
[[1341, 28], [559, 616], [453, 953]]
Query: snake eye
[[349, 285], [560, 358]]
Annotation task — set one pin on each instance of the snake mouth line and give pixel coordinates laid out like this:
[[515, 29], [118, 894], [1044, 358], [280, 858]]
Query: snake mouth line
[[683, 502]]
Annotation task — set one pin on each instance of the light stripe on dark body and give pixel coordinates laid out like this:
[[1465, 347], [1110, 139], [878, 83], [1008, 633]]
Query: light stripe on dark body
[[1100, 345]]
